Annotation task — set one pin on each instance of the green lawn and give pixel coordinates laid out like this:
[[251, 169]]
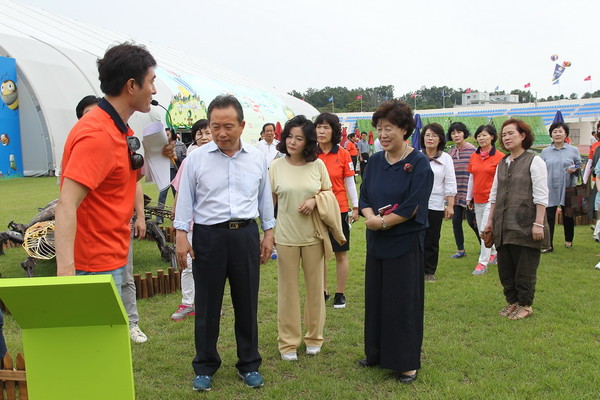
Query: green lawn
[[468, 353]]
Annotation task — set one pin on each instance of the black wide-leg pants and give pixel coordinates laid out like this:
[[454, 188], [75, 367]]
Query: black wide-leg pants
[[222, 254], [394, 304]]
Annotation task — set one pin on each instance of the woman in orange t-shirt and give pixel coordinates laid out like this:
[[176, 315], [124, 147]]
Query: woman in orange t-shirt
[[352, 150], [341, 172], [482, 168]]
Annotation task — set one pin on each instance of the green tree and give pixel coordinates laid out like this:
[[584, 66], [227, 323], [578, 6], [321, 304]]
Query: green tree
[[589, 95]]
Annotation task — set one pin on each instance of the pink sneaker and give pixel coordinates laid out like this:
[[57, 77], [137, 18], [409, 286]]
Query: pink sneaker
[[493, 259], [480, 269], [183, 312]]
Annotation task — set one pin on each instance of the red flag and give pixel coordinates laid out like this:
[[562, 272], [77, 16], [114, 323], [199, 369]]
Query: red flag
[[344, 136], [589, 78], [359, 97], [303, 99], [413, 95], [468, 90], [527, 85], [371, 139], [278, 130]]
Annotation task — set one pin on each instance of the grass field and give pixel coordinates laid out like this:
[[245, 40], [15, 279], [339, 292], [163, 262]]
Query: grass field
[[468, 353]]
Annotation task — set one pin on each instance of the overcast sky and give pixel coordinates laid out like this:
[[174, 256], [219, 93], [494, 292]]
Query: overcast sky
[[317, 43]]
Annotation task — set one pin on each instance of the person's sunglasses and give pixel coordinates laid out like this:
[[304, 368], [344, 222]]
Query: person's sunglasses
[[136, 159]]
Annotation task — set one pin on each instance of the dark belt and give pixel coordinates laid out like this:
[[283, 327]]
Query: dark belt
[[233, 224]]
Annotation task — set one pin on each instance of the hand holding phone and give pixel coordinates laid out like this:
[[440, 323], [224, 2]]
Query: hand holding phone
[[383, 209]]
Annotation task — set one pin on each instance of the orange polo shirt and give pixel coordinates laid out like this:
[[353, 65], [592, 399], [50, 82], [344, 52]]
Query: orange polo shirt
[[351, 147], [592, 149], [96, 155], [339, 166], [483, 172]]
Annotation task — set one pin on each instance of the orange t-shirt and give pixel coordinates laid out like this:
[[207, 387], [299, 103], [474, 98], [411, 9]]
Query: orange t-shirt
[[483, 172], [592, 149], [96, 155], [351, 147], [339, 166]]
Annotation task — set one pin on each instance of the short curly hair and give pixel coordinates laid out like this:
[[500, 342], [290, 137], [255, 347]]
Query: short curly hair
[[522, 127], [397, 113], [310, 134], [333, 121]]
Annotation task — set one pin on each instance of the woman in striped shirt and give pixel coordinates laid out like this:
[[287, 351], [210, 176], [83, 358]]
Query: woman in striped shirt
[[461, 153]]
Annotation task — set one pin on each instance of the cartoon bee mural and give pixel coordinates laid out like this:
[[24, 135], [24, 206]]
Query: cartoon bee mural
[[9, 94]]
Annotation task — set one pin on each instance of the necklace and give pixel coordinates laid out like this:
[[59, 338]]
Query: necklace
[[401, 157]]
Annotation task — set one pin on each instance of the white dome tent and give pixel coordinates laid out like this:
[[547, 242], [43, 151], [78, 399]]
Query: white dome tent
[[56, 67]]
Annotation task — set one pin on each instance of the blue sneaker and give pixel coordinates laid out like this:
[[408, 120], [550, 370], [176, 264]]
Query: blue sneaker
[[252, 379], [459, 254], [202, 383]]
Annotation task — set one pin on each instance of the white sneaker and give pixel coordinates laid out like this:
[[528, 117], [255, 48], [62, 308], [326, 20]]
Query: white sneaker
[[289, 357], [597, 266], [137, 335], [312, 350]]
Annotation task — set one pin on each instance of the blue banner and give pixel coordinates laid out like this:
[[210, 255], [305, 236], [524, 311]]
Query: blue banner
[[558, 70], [11, 160]]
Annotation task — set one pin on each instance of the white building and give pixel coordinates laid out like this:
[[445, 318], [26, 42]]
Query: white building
[[479, 98]]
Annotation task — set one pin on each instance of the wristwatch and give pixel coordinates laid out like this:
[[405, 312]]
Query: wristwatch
[[383, 224]]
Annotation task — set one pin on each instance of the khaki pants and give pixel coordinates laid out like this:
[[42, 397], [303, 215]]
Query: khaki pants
[[288, 308]]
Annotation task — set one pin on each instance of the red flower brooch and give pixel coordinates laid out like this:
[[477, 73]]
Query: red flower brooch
[[408, 168]]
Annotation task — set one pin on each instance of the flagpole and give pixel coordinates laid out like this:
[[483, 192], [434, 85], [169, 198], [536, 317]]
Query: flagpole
[[332, 107], [360, 103]]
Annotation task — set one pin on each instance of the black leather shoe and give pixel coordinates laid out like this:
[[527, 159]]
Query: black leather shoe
[[546, 251], [402, 378], [366, 363]]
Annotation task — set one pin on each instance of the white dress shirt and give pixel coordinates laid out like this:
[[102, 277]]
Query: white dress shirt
[[444, 181], [216, 188], [269, 150]]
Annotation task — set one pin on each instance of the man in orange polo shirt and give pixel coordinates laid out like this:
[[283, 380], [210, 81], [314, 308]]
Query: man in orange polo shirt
[[99, 169]]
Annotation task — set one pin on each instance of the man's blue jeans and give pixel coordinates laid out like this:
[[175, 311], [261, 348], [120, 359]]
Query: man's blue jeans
[[117, 275]]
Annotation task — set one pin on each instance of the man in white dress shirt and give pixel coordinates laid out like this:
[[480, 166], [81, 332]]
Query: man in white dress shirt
[[268, 146], [223, 189]]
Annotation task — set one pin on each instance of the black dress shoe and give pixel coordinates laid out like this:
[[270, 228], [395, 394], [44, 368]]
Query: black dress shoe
[[366, 363], [548, 250], [402, 378]]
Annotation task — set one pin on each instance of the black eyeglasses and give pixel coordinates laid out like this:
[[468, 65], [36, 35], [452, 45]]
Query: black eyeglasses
[[136, 159]]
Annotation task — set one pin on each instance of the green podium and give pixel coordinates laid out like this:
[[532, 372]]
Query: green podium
[[75, 336]]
